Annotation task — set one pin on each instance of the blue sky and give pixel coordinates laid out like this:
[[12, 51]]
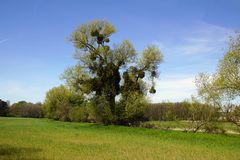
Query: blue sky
[[34, 46]]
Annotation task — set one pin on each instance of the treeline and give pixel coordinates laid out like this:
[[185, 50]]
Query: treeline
[[63, 105], [168, 111], [21, 109], [201, 116]]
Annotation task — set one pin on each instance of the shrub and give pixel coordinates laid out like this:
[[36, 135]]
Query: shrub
[[79, 114], [147, 125], [213, 128], [99, 110], [132, 111]]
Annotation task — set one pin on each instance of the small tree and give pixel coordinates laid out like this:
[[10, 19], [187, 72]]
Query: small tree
[[222, 89], [202, 115], [59, 101]]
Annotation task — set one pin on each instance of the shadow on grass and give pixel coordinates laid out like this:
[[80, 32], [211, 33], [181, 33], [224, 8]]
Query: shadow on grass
[[14, 152]]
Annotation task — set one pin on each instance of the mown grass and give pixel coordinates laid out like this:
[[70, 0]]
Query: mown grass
[[43, 139]]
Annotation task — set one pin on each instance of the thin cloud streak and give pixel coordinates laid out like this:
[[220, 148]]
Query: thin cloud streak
[[4, 40], [205, 39]]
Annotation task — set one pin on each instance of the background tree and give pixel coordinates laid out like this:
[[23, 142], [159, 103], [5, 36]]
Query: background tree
[[4, 108], [106, 72]]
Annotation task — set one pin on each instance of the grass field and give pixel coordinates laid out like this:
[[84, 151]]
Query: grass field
[[42, 139]]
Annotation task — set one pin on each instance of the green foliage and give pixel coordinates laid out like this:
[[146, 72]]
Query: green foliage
[[151, 57], [79, 114], [123, 53], [229, 72], [74, 76], [59, 102], [131, 110], [92, 33], [100, 110]]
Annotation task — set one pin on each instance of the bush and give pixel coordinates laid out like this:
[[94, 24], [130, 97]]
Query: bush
[[213, 128], [147, 125], [79, 114], [132, 111], [26, 109], [99, 110]]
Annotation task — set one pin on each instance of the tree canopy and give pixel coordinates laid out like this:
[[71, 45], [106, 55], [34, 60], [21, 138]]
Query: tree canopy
[[226, 81]]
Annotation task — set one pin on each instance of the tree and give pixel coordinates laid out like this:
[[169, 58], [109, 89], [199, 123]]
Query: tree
[[222, 89], [202, 116], [4, 108], [105, 71], [228, 73]]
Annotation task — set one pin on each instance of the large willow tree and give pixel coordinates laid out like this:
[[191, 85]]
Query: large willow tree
[[108, 71]]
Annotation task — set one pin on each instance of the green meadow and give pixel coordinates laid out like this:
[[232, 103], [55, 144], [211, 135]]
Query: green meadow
[[44, 139]]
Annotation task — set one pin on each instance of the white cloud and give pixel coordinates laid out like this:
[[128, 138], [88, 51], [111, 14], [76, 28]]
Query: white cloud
[[174, 89], [17, 91]]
